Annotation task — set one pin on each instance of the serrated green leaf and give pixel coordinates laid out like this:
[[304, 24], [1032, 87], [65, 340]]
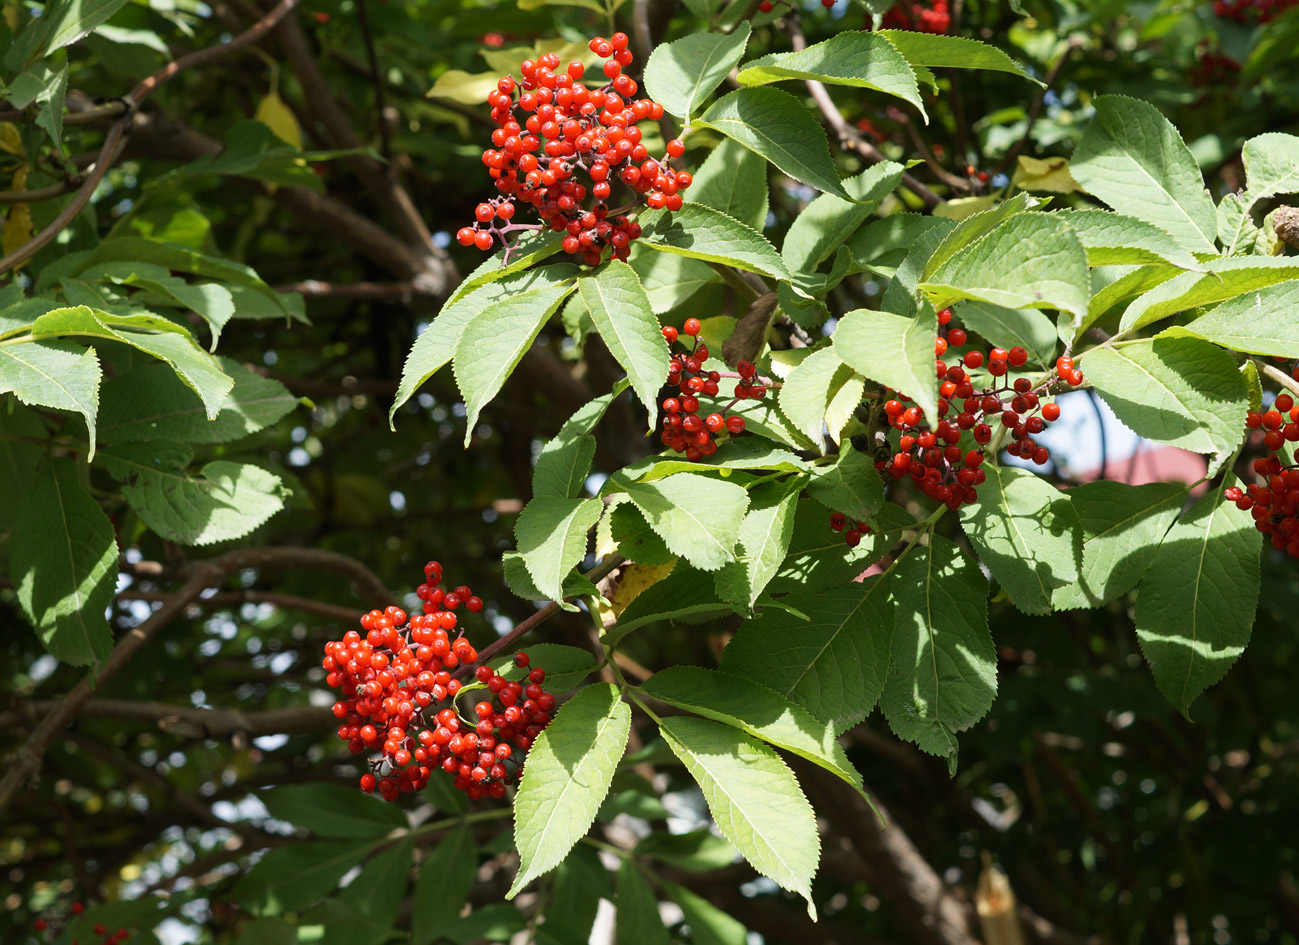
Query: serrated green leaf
[[764, 542], [1195, 608], [851, 486], [679, 75], [1132, 158], [1224, 279], [820, 395], [742, 452], [636, 541], [1112, 284], [670, 280], [833, 664], [291, 878], [332, 810], [224, 500], [943, 665], [859, 59], [565, 666], [1175, 390], [63, 558], [754, 799], [54, 374], [621, 313], [1264, 321], [174, 256], [964, 233], [637, 921], [552, 536], [1271, 165], [881, 245], [696, 851], [733, 179], [893, 351], [520, 581], [818, 557], [685, 595], [1027, 533], [1007, 328], [445, 878], [1123, 526], [495, 922], [762, 712], [709, 925], [934, 50], [779, 128], [704, 233], [530, 248], [566, 778], [824, 224], [699, 518], [376, 894], [563, 466], [1115, 239]]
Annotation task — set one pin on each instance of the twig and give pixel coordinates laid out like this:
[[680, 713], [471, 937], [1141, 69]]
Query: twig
[[380, 104], [959, 184], [113, 141], [1035, 109], [315, 289], [83, 117], [185, 721], [41, 193], [234, 598], [1276, 374]]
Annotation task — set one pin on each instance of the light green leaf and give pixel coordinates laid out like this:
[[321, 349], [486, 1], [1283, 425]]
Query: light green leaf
[[1007, 328], [1030, 261], [54, 374], [1132, 158], [520, 581], [943, 665], [1027, 533], [679, 75], [291, 878], [966, 232], [821, 393], [1114, 239], [530, 248], [755, 709], [934, 50], [567, 775], [827, 221], [445, 878], [1175, 390], [1123, 526], [637, 920], [754, 799], [552, 536], [704, 233], [852, 485], [332, 810], [70, 20], [699, 518], [763, 544], [670, 280], [1271, 166], [709, 925], [1225, 278], [1112, 284], [63, 558], [819, 558], [833, 664], [893, 351], [881, 245], [1263, 321], [780, 128], [563, 466], [621, 313], [685, 595], [224, 500], [1195, 608], [733, 179], [860, 59], [742, 452], [135, 249], [696, 851], [565, 666]]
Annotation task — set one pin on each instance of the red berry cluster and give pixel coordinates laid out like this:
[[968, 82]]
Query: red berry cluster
[[936, 18], [1246, 10], [395, 676], [854, 530], [933, 457], [104, 936], [683, 429], [1213, 69], [1274, 501], [573, 128]]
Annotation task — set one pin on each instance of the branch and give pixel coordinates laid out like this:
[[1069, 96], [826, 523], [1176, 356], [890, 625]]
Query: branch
[[41, 193], [234, 598], [113, 141], [185, 721], [1276, 374], [387, 291]]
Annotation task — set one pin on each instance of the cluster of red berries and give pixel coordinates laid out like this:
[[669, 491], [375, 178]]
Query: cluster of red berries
[[1243, 11], [974, 173], [936, 18], [1274, 502], [684, 430], [852, 531], [105, 937], [573, 128], [396, 675], [933, 456], [1213, 69]]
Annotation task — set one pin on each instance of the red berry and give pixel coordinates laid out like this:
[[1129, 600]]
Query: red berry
[[691, 327]]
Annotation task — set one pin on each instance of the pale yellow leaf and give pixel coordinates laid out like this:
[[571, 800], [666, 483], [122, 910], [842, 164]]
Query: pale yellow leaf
[[9, 138], [276, 115], [1050, 175]]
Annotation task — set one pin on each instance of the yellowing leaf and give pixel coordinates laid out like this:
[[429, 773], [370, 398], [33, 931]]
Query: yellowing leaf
[[9, 138], [1045, 176], [959, 208], [277, 116], [18, 224], [634, 579], [456, 85]]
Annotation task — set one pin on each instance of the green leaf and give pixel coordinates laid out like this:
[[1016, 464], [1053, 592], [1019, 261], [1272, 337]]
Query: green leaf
[[699, 518], [445, 878], [332, 810], [1030, 261], [824, 224], [780, 128], [490, 348], [681, 74], [636, 541], [704, 233], [291, 878], [733, 179], [495, 922], [743, 452], [1224, 279], [336, 921], [1271, 165], [1195, 608], [54, 374], [1175, 390], [763, 544], [63, 558], [859, 59], [709, 925], [563, 466], [1112, 284], [755, 709], [934, 50], [818, 557], [1027, 533], [696, 851], [1264, 321], [893, 351], [684, 595], [1007, 328], [530, 248], [520, 581], [621, 312], [565, 666], [528, 292], [135, 249], [151, 403], [1123, 526], [566, 778], [552, 536], [224, 500], [754, 799], [956, 237], [70, 20], [21, 430], [881, 245], [1114, 239], [637, 920], [670, 280], [820, 396], [377, 893], [834, 663], [1132, 158], [943, 665], [852, 485]]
